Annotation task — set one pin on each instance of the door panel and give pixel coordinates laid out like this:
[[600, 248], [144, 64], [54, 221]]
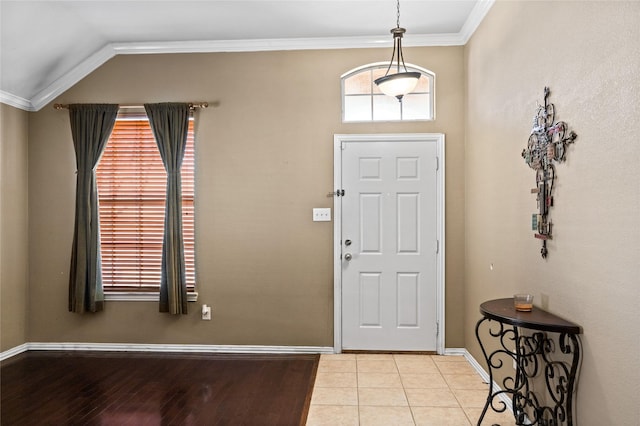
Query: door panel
[[408, 296], [370, 223], [370, 300], [389, 212], [408, 217]]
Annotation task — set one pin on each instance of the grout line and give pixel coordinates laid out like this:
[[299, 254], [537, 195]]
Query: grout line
[[404, 390], [358, 388]]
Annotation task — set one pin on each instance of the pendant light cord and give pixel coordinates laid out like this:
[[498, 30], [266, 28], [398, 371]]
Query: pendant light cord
[[399, 49]]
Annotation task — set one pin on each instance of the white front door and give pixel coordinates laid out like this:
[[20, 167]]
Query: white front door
[[389, 241]]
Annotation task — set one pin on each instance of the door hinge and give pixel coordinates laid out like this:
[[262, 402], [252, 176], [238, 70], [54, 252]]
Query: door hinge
[[437, 329], [437, 163], [437, 246]]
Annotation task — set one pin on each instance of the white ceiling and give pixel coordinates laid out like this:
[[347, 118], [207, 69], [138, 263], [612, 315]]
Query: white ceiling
[[48, 46]]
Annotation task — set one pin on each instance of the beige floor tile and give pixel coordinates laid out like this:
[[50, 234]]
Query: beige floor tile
[[423, 381], [389, 397], [337, 366], [455, 368], [490, 418], [386, 416], [431, 398], [332, 415], [377, 366], [448, 358], [372, 357], [336, 380], [383, 389], [334, 396], [440, 416], [379, 380], [411, 357], [341, 357], [416, 365], [466, 381], [471, 398]]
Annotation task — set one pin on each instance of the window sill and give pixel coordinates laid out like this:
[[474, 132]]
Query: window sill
[[129, 296]]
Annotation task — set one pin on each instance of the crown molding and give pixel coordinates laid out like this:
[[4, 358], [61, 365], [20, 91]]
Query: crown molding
[[326, 43], [59, 86], [254, 45], [76, 74], [475, 18], [16, 101]]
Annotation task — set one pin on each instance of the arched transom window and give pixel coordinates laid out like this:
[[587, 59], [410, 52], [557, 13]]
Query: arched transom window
[[363, 101]]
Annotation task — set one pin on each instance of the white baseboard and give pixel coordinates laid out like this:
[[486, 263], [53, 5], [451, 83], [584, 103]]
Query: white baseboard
[[13, 351], [455, 352], [142, 347], [485, 376]]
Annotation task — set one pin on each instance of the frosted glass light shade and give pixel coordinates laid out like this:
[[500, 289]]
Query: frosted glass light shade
[[398, 84]]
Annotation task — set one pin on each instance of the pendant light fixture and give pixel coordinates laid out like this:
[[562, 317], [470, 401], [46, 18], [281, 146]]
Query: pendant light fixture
[[399, 83]]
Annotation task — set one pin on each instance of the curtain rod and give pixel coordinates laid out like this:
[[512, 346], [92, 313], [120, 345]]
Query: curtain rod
[[192, 105]]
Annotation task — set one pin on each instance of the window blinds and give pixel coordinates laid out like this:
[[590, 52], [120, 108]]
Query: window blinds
[[131, 185]]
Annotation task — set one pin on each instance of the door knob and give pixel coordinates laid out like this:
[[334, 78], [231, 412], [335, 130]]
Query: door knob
[[347, 243], [347, 256]]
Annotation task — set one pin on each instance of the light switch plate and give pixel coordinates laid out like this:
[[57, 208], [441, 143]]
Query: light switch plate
[[322, 215]]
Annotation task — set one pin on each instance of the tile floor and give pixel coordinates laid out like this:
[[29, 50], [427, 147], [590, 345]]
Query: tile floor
[[397, 390]]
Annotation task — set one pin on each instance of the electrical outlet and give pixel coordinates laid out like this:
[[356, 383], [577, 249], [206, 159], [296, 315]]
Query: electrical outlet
[[206, 312]]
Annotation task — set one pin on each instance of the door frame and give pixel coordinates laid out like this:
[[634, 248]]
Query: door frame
[[438, 139]]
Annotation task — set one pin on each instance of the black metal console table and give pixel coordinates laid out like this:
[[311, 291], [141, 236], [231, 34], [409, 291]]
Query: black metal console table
[[526, 341]]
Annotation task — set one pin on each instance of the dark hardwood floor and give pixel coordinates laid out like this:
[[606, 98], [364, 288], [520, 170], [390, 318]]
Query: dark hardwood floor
[[90, 388]]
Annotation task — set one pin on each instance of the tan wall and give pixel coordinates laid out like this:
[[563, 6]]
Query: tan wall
[[588, 53], [264, 160], [14, 273]]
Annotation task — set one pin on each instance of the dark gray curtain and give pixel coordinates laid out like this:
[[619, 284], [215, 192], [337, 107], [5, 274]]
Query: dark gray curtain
[[91, 126], [170, 125]]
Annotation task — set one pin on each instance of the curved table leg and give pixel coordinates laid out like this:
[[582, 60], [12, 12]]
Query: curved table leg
[[495, 361]]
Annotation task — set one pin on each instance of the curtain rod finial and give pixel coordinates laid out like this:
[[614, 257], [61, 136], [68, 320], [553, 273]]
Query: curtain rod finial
[[195, 105]]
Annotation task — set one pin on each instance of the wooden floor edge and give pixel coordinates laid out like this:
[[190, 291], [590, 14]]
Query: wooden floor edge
[[307, 400]]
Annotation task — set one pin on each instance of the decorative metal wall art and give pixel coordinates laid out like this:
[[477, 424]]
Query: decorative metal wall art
[[547, 144]]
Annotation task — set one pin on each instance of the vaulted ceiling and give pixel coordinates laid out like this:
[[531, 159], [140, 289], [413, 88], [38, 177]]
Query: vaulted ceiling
[[48, 46]]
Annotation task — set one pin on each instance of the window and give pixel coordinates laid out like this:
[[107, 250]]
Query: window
[[363, 101], [131, 190]]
